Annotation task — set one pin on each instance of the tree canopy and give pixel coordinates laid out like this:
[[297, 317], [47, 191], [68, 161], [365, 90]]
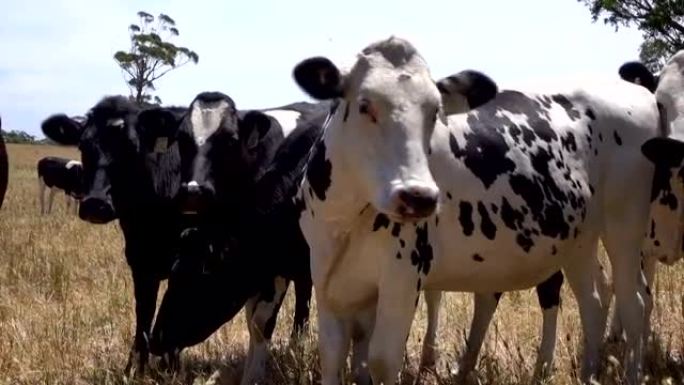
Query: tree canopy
[[661, 21], [151, 55]]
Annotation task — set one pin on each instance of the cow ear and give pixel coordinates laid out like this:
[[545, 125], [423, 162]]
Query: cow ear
[[320, 78], [253, 127], [637, 73], [159, 127], [665, 152], [466, 90], [62, 129]]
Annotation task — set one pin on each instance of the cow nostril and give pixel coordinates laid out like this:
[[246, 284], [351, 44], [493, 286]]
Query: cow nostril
[[418, 200], [96, 210]]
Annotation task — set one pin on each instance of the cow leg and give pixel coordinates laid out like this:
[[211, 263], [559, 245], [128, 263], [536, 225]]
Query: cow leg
[[51, 198], [303, 286], [261, 321], [361, 333], [67, 199], [333, 344], [648, 280], [145, 286], [41, 195], [548, 294], [428, 356], [485, 306], [593, 313], [397, 299]]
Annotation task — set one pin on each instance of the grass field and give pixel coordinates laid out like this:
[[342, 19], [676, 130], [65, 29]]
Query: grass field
[[66, 313]]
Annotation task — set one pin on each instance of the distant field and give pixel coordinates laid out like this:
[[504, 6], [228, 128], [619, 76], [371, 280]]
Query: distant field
[[66, 314]]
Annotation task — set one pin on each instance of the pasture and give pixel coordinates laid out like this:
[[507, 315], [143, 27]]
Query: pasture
[[66, 313]]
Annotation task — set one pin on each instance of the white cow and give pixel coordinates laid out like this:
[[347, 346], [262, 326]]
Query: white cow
[[497, 199]]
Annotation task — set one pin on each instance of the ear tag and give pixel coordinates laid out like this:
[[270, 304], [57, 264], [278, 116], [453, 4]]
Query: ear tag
[[161, 145]]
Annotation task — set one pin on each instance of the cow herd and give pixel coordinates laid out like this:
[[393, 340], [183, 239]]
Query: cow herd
[[390, 185]]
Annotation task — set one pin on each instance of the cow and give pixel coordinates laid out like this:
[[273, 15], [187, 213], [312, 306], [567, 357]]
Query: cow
[[665, 214], [245, 245], [496, 199], [4, 167], [56, 173], [131, 172]]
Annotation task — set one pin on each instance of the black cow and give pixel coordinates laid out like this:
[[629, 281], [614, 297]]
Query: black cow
[[59, 174], [131, 171], [241, 181], [4, 167]]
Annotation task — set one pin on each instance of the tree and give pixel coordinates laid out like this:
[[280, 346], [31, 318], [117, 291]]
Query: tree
[[661, 21], [151, 55]]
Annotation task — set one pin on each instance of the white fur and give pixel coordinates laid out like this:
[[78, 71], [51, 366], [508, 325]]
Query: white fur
[[670, 93], [355, 269], [73, 163], [286, 118], [206, 118]]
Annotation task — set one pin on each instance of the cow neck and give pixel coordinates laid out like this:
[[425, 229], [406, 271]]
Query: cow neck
[[329, 179]]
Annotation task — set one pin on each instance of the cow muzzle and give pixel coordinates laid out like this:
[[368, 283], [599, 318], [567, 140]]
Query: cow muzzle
[[96, 210], [415, 202], [195, 197]]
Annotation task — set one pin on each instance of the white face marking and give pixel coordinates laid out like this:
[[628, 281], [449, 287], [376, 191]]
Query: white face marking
[[286, 118], [72, 163], [118, 122], [206, 118], [193, 183]]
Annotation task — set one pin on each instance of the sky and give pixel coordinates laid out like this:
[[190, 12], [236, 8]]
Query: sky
[[57, 54]]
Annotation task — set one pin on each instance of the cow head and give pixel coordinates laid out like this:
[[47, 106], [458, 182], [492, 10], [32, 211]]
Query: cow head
[[207, 287], [221, 151], [377, 141], [664, 238], [118, 143]]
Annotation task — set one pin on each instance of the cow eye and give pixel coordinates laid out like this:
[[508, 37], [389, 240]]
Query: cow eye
[[365, 108]]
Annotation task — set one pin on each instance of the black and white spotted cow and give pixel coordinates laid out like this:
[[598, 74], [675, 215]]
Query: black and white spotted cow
[[56, 173], [497, 199], [246, 246]]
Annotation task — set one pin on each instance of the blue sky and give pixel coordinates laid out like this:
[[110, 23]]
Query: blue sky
[[57, 54]]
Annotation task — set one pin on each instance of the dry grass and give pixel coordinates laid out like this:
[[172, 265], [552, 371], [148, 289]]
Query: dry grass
[[66, 312]]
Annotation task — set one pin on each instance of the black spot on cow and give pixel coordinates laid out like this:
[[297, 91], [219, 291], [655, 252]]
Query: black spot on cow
[[524, 242], [617, 137], [554, 251], [381, 220], [484, 154], [436, 220], [591, 189], [652, 235], [590, 114], [396, 229], [568, 142], [600, 136], [398, 255], [591, 129], [567, 105], [661, 189], [402, 243], [477, 258], [656, 243], [595, 152], [648, 291], [418, 285], [495, 208], [513, 219], [448, 195], [571, 218], [421, 256], [466, 218], [318, 171], [346, 112], [548, 292], [486, 226]]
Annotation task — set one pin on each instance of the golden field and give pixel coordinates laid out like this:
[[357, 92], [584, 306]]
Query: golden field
[[66, 313]]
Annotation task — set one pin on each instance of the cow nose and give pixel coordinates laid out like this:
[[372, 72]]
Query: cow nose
[[96, 210], [192, 187], [417, 201]]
